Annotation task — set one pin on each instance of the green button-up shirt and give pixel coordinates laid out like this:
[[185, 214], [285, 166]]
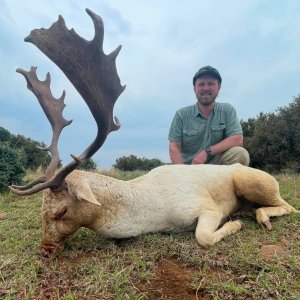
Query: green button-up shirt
[[194, 132]]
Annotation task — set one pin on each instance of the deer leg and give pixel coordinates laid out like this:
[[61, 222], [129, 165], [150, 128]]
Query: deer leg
[[263, 214], [207, 232]]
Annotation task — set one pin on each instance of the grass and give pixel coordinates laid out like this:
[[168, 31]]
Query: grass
[[154, 266]]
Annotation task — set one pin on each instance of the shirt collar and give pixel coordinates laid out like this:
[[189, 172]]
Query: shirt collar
[[197, 111]]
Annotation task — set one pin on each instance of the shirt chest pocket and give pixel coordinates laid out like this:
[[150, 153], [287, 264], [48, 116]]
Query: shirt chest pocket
[[191, 137], [217, 133]]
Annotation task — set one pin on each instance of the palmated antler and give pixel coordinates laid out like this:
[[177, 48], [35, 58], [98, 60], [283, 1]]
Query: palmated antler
[[53, 109], [93, 74]]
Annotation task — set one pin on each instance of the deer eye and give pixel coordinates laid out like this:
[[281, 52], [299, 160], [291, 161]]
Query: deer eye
[[58, 215]]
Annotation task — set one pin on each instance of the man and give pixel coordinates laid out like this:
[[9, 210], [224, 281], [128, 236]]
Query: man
[[207, 132]]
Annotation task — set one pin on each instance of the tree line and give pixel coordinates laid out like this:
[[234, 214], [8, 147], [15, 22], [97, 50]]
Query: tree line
[[272, 139]]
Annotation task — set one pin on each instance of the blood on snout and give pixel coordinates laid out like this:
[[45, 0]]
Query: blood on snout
[[49, 249]]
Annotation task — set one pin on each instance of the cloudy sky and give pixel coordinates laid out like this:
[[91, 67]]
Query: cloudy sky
[[254, 44]]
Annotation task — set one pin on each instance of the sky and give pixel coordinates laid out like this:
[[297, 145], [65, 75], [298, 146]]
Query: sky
[[254, 44]]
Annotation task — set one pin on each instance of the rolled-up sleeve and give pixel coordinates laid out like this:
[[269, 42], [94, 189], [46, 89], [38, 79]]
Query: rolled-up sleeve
[[233, 125]]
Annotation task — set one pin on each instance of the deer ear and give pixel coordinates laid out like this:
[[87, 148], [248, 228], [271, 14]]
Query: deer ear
[[83, 191]]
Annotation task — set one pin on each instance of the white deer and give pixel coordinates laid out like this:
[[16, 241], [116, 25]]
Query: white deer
[[169, 198]]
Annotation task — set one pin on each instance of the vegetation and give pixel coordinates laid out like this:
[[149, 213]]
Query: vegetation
[[17, 154], [131, 163], [11, 166], [88, 165], [273, 139], [253, 264], [32, 156]]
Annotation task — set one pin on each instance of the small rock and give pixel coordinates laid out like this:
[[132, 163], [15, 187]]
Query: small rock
[[2, 216]]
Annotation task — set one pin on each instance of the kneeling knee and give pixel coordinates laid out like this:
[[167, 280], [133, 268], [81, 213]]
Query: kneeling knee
[[235, 155], [243, 156]]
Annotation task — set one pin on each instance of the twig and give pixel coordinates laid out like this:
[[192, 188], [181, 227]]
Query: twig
[[198, 288]]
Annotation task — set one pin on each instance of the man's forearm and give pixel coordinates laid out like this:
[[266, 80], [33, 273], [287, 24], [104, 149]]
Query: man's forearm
[[175, 153]]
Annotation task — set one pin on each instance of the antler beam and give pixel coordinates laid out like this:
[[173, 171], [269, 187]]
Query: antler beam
[[93, 74]]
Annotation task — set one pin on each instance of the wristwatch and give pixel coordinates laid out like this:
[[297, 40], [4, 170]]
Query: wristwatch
[[208, 151]]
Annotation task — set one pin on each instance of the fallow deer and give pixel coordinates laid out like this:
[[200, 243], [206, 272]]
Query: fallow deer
[[168, 198]]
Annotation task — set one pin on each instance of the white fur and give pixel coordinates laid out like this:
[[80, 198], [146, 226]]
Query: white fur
[[169, 198]]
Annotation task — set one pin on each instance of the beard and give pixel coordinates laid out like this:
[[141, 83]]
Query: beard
[[206, 99]]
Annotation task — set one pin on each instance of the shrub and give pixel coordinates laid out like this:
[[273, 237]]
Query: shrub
[[12, 167], [273, 139], [33, 157], [132, 163], [88, 165]]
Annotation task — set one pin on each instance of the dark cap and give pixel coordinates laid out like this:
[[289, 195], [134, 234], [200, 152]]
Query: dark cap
[[207, 70]]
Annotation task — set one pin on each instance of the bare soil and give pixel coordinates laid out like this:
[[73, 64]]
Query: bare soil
[[268, 252], [171, 280]]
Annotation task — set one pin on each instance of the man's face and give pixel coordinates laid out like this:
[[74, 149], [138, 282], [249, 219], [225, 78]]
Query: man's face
[[206, 89]]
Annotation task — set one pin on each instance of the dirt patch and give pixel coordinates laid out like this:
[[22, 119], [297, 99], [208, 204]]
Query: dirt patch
[[171, 280], [268, 252]]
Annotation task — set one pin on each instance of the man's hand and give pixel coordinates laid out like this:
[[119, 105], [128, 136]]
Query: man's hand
[[200, 158]]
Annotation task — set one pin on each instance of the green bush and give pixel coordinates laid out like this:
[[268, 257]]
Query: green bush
[[88, 165], [12, 167], [273, 139], [33, 157], [132, 163]]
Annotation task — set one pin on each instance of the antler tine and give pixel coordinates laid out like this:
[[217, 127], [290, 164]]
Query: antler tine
[[93, 74], [53, 109]]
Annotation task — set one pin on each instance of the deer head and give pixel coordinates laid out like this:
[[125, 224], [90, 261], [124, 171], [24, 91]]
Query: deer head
[[94, 75]]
